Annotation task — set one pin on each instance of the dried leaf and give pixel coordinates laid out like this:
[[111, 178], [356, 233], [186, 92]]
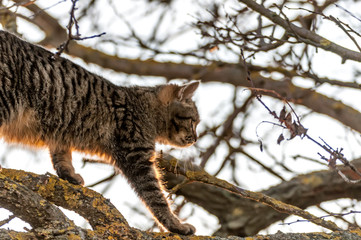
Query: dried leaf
[[301, 131], [288, 119], [280, 139], [282, 116], [293, 129]]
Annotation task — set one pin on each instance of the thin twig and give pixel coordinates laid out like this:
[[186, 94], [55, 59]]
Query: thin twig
[[6, 221], [73, 23], [350, 13], [297, 129], [104, 180], [326, 216]]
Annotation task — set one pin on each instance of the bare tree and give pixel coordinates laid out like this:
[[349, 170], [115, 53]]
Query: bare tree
[[286, 65]]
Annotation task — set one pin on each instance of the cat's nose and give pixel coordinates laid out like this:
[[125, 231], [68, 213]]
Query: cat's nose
[[195, 137]]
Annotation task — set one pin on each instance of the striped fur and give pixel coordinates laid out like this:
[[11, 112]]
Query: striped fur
[[48, 101]]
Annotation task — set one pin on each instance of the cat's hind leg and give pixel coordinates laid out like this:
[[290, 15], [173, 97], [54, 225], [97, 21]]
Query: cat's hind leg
[[62, 162], [137, 165]]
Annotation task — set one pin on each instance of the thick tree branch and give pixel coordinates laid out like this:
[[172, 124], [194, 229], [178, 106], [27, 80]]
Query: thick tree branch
[[87, 203], [354, 235], [196, 174], [30, 207], [75, 196], [243, 217]]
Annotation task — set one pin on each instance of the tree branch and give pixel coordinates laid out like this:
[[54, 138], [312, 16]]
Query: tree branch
[[194, 173], [30, 207], [50, 188], [100, 213], [243, 217], [304, 34], [354, 235]]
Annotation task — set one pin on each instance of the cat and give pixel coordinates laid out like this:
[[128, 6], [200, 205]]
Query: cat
[[48, 101]]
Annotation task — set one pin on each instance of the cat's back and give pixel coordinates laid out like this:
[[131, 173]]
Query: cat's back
[[60, 99], [35, 76], [14, 50], [25, 67], [54, 95]]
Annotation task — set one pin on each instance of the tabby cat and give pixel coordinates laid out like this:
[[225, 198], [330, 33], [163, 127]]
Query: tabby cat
[[52, 102]]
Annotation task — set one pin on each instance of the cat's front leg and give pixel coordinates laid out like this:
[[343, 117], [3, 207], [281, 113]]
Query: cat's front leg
[[62, 162], [138, 166]]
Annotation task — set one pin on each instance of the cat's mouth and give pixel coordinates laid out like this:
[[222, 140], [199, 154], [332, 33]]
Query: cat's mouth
[[186, 143]]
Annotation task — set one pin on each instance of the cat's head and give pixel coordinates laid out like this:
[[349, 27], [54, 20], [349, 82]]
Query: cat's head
[[182, 114]]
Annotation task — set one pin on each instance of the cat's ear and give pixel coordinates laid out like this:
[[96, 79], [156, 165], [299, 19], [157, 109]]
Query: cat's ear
[[169, 93], [166, 93], [187, 91]]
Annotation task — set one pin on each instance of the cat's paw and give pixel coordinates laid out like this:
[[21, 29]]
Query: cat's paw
[[77, 179], [184, 229], [73, 178], [67, 172]]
